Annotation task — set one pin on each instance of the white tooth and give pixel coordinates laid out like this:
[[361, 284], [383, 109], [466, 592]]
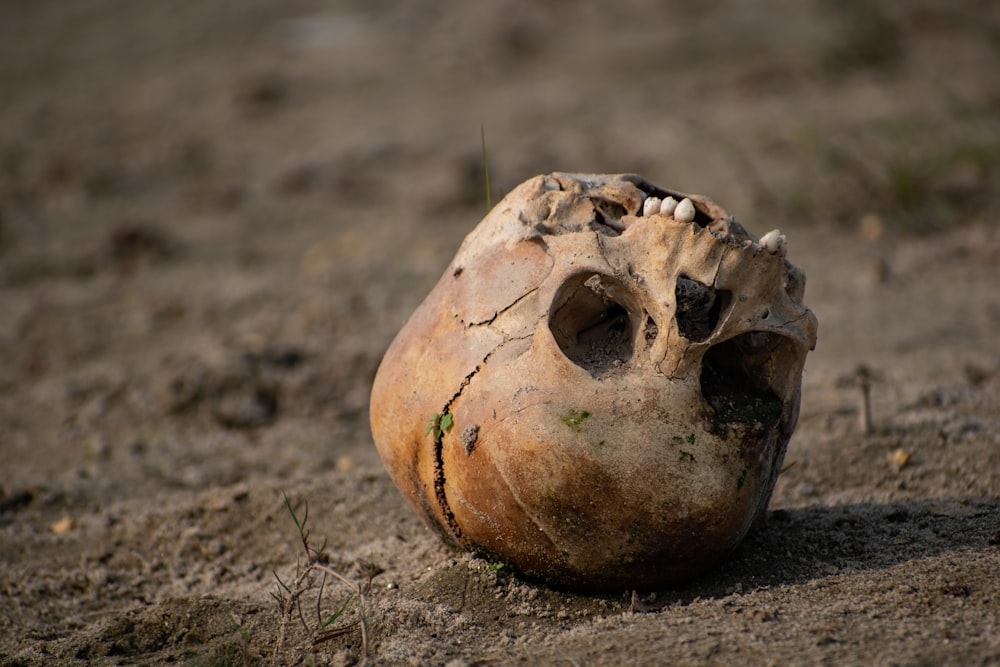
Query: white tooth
[[668, 205], [770, 239], [774, 242], [684, 211], [651, 206]]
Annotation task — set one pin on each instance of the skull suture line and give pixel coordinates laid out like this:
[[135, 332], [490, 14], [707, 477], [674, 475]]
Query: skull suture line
[[600, 389]]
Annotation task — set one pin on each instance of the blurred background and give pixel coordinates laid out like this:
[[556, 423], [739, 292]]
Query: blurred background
[[815, 110], [216, 214]]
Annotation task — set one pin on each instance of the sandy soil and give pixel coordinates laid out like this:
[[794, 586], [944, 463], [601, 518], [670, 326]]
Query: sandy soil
[[214, 216]]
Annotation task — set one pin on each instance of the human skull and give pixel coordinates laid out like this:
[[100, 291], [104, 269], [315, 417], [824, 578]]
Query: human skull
[[596, 392]]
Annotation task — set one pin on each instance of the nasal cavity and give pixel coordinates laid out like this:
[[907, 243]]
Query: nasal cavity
[[698, 308], [740, 378], [592, 320]]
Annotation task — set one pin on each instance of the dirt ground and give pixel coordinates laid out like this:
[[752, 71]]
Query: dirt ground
[[214, 217]]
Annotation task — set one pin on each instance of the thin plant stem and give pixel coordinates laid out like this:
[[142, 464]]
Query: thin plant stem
[[486, 169]]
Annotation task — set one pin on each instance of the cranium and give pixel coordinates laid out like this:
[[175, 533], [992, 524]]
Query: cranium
[[596, 392]]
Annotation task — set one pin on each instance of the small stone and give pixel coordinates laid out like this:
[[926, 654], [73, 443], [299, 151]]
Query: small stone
[[470, 434], [900, 458], [871, 227], [63, 525]]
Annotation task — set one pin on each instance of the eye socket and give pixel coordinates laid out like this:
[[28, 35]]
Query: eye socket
[[593, 321]]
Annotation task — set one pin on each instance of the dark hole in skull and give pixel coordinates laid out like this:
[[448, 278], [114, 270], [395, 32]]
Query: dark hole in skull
[[593, 323], [609, 215], [698, 308], [739, 378], [650, 331]]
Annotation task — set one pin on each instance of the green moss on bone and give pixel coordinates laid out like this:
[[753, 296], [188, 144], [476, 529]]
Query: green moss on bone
[[573, 418]]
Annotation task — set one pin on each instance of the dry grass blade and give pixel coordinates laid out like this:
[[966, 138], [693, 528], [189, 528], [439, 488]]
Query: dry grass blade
[[311, 580]]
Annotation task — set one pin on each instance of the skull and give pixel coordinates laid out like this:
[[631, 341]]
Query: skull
[[596, 392]]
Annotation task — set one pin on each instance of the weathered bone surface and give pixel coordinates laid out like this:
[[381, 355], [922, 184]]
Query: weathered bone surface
[[597, 396]]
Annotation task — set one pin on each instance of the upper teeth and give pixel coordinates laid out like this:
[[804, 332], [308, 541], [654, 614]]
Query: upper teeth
[[684, 212], [668, 205], [651, 206], [774, 242]]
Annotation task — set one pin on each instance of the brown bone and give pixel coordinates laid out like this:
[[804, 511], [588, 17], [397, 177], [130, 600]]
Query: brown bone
[[621, 388]]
